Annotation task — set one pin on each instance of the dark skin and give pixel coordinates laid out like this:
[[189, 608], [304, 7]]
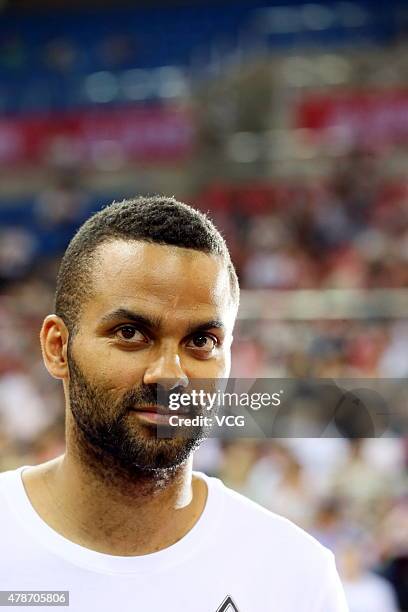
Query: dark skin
[[85, 494]]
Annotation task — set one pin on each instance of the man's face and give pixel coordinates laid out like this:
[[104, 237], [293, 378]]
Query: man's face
[[157, 312]]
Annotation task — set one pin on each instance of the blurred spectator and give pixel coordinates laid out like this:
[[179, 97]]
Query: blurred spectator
[[17, 250], [393, 538], [21, 408], [236, 462], [63, 203], [365, 591], [329, 525], [277, 481], [362, 486]]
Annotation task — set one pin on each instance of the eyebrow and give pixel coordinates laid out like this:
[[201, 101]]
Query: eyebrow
[[213, 324], [155, 323], [129, 315]]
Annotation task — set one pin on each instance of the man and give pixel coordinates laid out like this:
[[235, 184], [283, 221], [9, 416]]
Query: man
[[147, 293]]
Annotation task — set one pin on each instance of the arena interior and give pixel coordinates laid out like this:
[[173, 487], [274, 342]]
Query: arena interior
[[287, 123]]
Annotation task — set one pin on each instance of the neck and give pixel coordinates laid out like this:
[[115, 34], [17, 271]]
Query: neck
[[96, 503]]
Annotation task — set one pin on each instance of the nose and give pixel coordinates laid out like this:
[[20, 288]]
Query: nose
[[166, 371]]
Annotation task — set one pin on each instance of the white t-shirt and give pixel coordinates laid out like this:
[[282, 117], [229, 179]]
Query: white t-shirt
[[236, 550]]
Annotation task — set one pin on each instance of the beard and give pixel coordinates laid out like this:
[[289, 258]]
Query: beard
[[110, 428]]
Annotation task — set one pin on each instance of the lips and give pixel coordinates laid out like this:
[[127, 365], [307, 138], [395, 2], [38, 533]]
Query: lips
[[162, 410], [153, 408], [153, 415]]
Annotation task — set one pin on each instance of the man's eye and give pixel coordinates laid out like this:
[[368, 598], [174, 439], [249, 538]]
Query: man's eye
[[203, 342], [128, 332]]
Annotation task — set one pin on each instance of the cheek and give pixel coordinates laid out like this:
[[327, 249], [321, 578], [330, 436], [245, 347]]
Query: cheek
[[211, 368], [122, 377], [224, 366], [114, 371]]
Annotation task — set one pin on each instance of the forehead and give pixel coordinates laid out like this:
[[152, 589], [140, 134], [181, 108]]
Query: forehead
[[158, 278]]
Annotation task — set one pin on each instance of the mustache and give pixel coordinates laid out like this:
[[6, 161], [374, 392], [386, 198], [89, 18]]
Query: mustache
[[153, 394]]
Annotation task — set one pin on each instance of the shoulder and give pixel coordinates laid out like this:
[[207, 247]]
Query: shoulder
[[270, 534], [7, 477], [10, 496], [10, 481]]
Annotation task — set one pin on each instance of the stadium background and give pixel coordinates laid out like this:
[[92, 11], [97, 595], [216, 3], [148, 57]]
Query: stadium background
[[288, 122]]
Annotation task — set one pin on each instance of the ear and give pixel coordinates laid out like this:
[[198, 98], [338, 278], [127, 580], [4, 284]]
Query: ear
[[54, 345]]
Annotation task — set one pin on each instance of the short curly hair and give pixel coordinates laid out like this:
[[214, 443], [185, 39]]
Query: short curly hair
[[156, 219]]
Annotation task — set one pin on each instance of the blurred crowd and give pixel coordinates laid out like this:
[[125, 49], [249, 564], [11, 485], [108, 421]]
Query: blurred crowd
[[350, 232], [300, 210], [351, 495]]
